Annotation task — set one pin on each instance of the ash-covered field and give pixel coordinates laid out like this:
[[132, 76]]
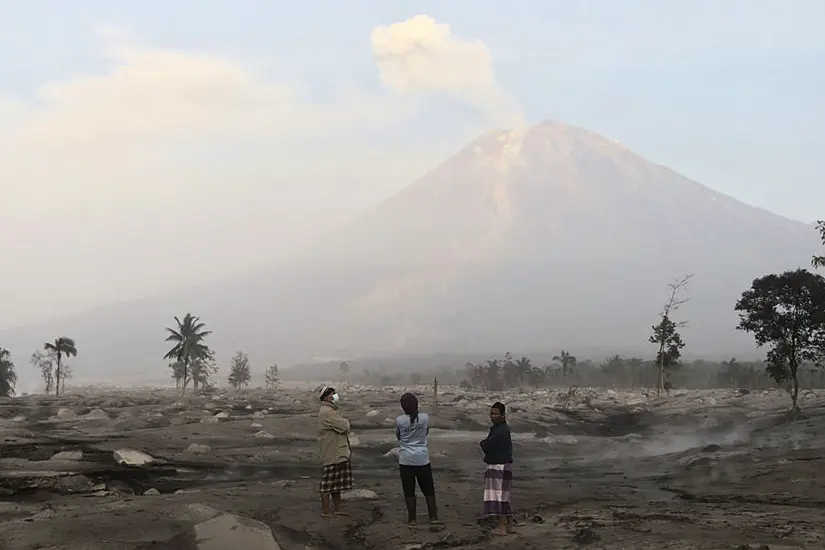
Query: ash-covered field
[[716, 469]]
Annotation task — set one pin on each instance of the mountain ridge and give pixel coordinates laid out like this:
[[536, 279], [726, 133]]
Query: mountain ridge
[[519, 240]]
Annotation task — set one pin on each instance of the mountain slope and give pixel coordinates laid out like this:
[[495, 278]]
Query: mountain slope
[[526, 240]]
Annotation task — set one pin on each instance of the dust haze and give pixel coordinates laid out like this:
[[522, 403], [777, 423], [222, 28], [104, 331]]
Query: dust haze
[[318, 241]]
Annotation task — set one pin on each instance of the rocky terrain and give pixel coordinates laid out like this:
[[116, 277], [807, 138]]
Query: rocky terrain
[[594, 468]]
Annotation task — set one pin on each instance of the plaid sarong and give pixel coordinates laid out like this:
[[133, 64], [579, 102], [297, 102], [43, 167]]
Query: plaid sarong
[[498, 481], [337, 478]]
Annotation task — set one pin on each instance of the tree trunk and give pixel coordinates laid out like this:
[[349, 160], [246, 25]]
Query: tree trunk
[[185, 377], [795, 393], [59, 372], [660, 379]]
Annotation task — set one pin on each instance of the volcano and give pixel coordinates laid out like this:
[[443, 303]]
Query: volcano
[[538, 239]]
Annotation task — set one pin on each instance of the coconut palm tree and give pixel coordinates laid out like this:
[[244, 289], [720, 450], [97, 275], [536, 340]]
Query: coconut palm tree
[[568, 363], [8, 378], [63, 346], [189, 346]]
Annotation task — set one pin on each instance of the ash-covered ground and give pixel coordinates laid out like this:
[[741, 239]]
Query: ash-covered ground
[[716, 469]]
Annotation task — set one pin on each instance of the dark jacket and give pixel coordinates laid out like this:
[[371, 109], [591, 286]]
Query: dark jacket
[[498, 447]]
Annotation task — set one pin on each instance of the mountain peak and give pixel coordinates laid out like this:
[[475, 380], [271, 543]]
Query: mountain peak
[[548, 143]]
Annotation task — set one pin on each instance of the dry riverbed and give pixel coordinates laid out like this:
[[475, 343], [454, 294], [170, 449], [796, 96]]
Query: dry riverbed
[[596, 468]]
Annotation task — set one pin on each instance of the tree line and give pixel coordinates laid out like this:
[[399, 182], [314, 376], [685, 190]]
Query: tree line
[[784, 312], [192, 360]]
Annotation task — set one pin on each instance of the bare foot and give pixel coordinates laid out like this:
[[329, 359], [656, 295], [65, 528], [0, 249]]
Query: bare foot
[[342, 514], [326, 516]]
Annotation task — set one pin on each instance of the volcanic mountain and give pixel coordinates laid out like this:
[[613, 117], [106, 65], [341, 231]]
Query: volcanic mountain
[[529, 240]]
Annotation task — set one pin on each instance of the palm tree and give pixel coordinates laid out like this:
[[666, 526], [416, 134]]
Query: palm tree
[[8, 378], [524, 367], [568, 363], [60, 347], [189, 346]]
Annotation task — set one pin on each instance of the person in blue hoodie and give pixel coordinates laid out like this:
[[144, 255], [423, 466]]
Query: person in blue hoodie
[[411, 429]]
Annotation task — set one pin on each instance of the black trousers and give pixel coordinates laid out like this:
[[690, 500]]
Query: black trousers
[[422, 474]]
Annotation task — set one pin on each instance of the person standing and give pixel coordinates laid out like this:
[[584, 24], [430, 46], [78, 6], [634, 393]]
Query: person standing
[[411, 429], [498, 476], [335, 452]]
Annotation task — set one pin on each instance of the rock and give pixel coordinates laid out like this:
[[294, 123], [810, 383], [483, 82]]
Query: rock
[[198, 448], [65, 414], [586, 536], [131, 457], [151, 492], [264, 435], [229, 531], [96, 414], [19, 419], [222, 414], [198, 513], [372, 413], [210, 420], [256, 425], [259, 414], [359, 494], [68, 455], [354, 441]]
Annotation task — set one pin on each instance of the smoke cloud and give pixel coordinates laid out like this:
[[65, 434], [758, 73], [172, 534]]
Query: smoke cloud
[[420, 55]]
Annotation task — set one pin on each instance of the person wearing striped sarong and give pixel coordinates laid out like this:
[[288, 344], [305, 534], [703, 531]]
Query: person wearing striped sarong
[[335, 452], [498, 476]]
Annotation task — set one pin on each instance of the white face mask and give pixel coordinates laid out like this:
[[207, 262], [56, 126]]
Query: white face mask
[[335, 398]]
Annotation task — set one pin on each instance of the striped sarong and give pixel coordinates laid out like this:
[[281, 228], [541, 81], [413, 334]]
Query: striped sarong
[[337, 478], [498, 481]]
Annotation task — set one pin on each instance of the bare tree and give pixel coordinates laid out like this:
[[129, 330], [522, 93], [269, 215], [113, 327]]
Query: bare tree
[[272, 377], [819, 261], [45, 364], [665, 333], [65, 374]]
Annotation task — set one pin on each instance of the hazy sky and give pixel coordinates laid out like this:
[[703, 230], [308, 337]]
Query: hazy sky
[[151, 145]]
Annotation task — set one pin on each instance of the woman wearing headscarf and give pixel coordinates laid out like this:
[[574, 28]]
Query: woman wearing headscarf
[[411, 429], [335, 451], [498, 475]]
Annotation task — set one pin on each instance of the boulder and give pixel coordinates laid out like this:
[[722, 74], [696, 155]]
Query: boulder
[[65, 414], [229, 531], [198, 448], [132, 457], [96, 414], [68, 455], [359, 494], [264, 435]]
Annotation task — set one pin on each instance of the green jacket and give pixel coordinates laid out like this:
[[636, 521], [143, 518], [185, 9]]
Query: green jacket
[[333, 435]]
